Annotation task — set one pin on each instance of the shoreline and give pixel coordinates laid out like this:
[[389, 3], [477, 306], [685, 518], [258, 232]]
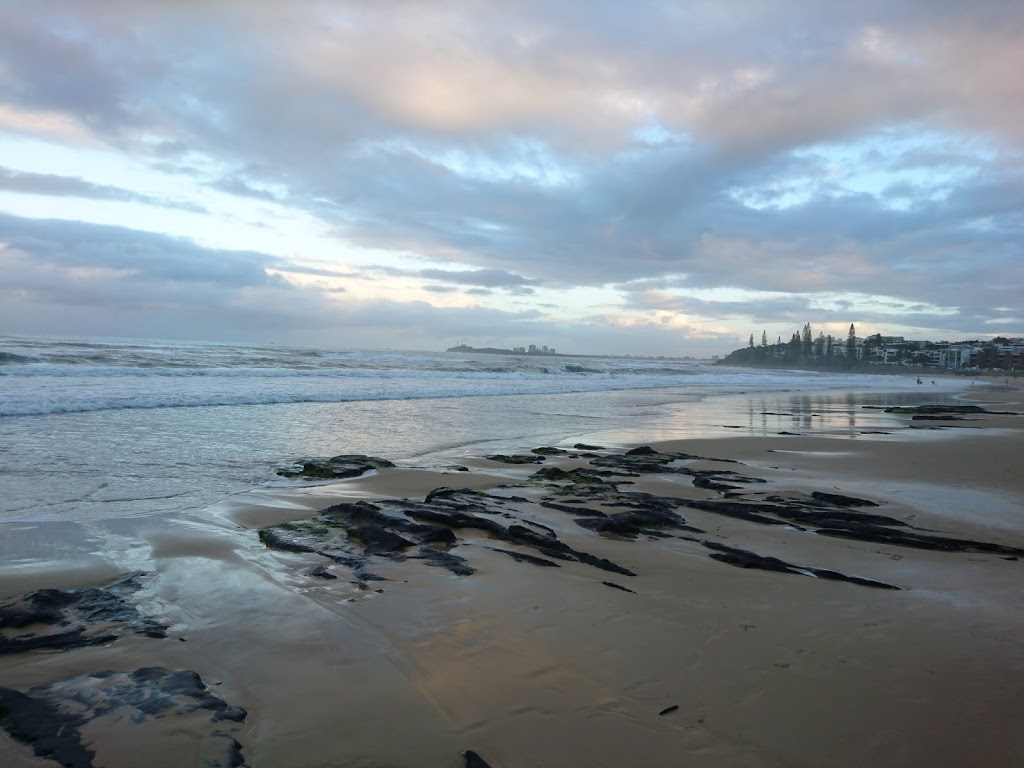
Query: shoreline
[[698, 661]]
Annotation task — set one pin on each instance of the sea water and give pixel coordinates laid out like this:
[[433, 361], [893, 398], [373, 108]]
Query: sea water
[[102, 428]]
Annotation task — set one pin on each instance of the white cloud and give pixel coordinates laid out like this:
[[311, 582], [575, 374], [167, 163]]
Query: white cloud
[[528, 157]]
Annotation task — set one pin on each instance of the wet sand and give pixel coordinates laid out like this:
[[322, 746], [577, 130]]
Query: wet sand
[[700, 663]]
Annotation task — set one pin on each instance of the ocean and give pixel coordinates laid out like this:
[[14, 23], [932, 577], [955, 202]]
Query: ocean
[[101, 428]]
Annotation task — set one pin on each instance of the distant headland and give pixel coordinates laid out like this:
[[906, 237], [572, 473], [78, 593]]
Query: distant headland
[[533, 349], [544, 351]]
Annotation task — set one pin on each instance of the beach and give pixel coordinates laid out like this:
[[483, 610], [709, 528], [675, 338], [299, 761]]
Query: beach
[[488, 625]]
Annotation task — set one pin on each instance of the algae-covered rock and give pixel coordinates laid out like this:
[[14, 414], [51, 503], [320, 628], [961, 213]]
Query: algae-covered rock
[[518, 458], [336, 467], [548, 450], [584, 476]]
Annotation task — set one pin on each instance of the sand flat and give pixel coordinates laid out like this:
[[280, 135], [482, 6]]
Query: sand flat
[[549, 666]]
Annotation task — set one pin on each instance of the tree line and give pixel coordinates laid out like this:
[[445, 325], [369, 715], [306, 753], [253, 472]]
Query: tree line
[[803, 346]]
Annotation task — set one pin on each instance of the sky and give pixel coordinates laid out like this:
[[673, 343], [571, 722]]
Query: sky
[[651, 178]]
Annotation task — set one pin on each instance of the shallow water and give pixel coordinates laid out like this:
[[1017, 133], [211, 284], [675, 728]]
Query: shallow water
[[99, 429]]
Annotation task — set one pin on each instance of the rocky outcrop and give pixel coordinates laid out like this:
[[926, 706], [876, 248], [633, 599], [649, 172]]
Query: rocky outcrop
[[943, 410], [742, 558], [61, 619], [645, 460], [519, 458], [51, 718], [335, 468], [595, 496], [352, 534]]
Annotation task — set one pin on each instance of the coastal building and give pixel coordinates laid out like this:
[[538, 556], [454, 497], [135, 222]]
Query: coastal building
[[1000, 353]]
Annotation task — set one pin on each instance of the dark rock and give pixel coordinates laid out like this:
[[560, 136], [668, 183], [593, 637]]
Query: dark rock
[[441, 493], [719, 476], [438, 535], [738, 510], [816, 514], [520, 458], [945, 409], [378, 540], [579, 476], [388, 528], [50, 718], [549, 532], [617, 525], [548, 451], [824, 573], [669, 710], [582, 511], [272, 539], [710, 485], [842, 501], [602, 563], [645, 520], [520, 557], [321, 572], [585, 447], [59, 641], [473, 760], [899, 538], [560, 550], [742, 558], [523, 535], [643, 450], [74, 618], [235, 758], [40, 724], [454, 519], [452, 562], [336, 467], [651, 462], [618, 586]]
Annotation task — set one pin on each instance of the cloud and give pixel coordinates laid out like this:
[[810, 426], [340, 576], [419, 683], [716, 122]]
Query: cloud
[[111, 281], [486, 278], [68, 186], [783, 147], [134, 255]]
